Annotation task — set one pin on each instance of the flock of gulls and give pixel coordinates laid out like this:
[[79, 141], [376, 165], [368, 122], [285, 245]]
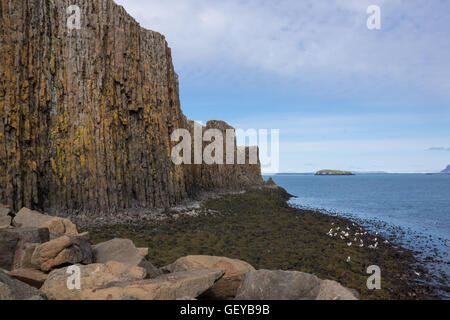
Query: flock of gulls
[[344, 234]]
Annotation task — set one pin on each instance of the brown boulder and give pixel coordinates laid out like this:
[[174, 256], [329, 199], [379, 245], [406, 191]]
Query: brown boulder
[[92, 276], [62, 251], [166, 287], [13, 244], [34, 219], [227, 286], [61, 226], [32, 277]]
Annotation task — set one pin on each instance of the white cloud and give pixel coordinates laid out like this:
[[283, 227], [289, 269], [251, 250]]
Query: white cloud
[[311, 42]]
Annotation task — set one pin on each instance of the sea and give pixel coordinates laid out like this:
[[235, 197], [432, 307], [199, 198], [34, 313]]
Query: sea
[[413, 209]]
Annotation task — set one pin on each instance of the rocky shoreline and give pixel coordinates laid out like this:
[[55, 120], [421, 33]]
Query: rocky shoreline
[[44, 257], [234, 245]]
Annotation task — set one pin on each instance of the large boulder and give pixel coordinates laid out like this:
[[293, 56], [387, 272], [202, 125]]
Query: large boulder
[[12, 289], [34, 219], [227, 286], [32, 277], [5, 216], [92, 276], [166, 287], [13, 244], [290, 285], [65, 250], [124, 251]]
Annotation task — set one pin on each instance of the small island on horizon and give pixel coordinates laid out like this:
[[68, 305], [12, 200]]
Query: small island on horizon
[[334, 173]]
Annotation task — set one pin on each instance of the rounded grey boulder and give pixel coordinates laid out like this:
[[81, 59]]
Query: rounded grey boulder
[[290, 285], [124, 251]]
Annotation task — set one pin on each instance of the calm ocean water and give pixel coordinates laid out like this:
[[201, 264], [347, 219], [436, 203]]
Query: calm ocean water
[[418, 204]]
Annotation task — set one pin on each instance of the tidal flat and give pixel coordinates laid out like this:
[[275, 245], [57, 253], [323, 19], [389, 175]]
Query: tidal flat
[[259, 227]]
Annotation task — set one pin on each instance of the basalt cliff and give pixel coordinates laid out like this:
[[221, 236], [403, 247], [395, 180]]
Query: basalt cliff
[[86, 114]]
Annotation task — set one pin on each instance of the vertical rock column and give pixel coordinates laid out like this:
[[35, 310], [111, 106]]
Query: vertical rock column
[[85, 115]]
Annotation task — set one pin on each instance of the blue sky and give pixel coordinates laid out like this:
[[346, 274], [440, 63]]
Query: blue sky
[[344, 97]]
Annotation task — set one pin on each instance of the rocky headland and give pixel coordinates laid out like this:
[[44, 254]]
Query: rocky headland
[[88, 183], [446, 170]]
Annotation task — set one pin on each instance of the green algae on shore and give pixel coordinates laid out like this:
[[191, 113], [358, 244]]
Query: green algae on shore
[[261, 228]]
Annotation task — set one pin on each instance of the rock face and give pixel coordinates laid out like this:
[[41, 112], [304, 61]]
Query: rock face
[[227, 286], [11, 289], [14, 245], [166, 287], [290, 285], [124, 251], [29, 218], [62, 251], [92, 276], [331, 290], [86, 114]]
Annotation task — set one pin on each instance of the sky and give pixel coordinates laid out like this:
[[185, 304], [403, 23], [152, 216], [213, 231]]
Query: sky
[[343, 96]]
